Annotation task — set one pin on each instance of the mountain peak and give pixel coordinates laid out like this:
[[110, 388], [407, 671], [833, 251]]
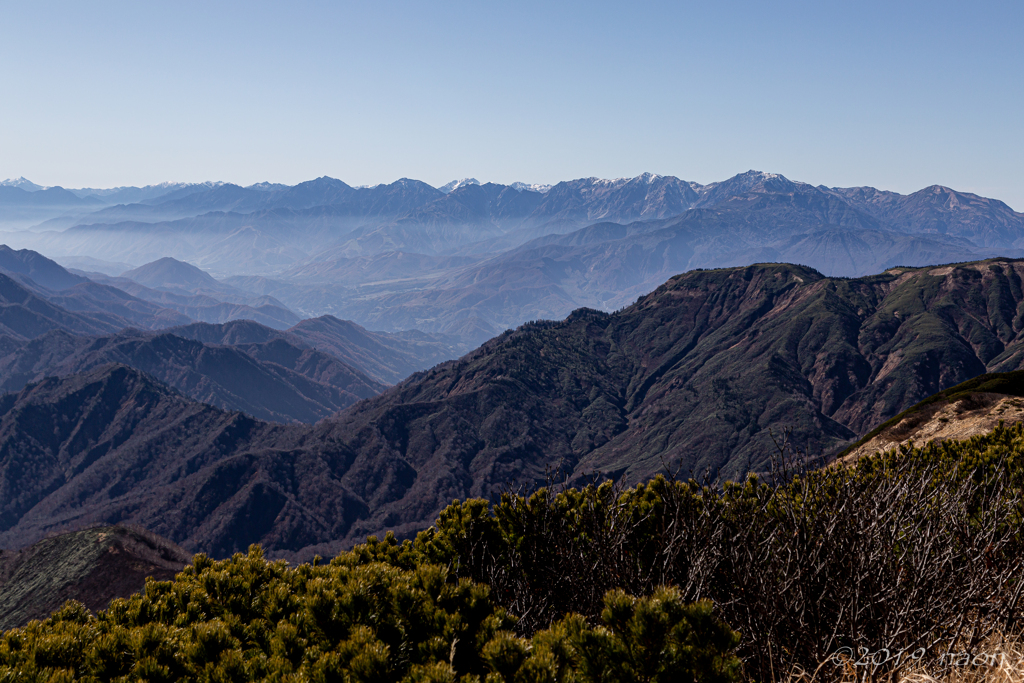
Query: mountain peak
[[761, 176], [37, 267], [742, 183], [322, 183], [534, 187], [645, 178], [267, 186], [169, 272], [456, 184], [23, 183]]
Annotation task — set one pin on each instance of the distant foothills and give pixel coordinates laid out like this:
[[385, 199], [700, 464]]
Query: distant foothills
[[309, 435], [469, 260]]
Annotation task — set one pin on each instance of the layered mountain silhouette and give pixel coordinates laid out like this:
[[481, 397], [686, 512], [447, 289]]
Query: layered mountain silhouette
[[38, 268], [276, 373], [607, 265], [185, 294], [940, 210], [192, 292], [387, 358], [472, 259], [23, 204], [24, 314], [181, 389], [698, 375], [28, 309], [274, 380]]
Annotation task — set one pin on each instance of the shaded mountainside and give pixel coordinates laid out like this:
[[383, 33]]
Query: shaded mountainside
[[93, 566], [206, 308], [82, 306], [25, 315], [272, 380], [114, 446], [40, 269], [116, 302], [698, 374], [113, 307], [193, 292]]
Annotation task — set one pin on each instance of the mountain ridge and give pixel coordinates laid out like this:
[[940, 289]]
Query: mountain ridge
[[698, 375], [273, 380], [488, 257]]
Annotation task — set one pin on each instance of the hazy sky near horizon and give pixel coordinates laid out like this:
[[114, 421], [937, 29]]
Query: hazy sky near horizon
[[898, 95]]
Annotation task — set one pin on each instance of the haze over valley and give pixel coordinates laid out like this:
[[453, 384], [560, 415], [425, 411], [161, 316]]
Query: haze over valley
[[469, 260]]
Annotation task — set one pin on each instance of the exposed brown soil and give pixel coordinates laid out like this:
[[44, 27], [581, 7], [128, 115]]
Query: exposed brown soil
[[93, 566]]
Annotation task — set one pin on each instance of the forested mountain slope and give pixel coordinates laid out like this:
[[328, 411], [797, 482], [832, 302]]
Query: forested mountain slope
[[698, 374], [112, 443]]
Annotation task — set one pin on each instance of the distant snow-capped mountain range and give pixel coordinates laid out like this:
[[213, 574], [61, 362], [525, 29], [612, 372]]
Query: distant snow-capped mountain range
[[470, 259], [29, 186]]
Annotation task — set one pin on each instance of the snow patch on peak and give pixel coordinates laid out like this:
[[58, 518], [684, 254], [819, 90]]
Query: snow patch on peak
[[456, 184], [534, 187], [642, 179], [209, 184], [23, 183], [755, 176], [267, 186]]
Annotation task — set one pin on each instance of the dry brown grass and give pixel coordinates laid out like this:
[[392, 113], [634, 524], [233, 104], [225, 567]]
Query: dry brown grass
[[999, 659]]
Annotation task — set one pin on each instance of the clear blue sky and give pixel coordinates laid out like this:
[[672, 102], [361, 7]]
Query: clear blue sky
[[898, 95]]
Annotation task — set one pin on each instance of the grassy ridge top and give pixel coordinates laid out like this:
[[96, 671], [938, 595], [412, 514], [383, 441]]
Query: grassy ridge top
[[988, 385]]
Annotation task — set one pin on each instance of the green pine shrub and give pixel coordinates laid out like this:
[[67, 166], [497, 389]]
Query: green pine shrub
[[356, 620], [917, 548], [913, 549]]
